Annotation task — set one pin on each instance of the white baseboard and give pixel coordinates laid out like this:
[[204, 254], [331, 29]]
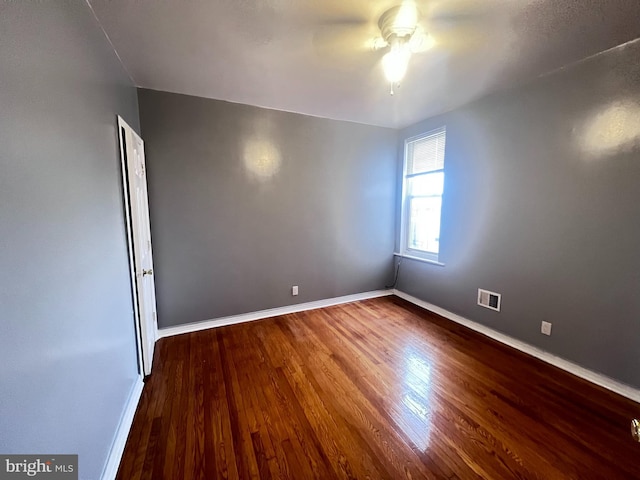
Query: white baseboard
[[271, 312], [120, 440], [584, 373]]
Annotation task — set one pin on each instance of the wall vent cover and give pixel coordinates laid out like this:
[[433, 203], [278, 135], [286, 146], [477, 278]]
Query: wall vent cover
[[489, 299]]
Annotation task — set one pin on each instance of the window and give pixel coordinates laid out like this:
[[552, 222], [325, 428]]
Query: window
[[423, 188]]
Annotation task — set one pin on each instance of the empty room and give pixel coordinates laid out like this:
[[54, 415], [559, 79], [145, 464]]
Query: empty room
[[351, 239]]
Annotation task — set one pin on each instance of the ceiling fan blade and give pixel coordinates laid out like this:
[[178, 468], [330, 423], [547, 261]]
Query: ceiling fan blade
[[463, 11], [421, 41], [338, 12], [342, 21], [465, 38], [337, 38], [463, 25]]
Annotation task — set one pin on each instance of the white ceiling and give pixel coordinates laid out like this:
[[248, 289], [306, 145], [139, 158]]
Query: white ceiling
[[310, 56]]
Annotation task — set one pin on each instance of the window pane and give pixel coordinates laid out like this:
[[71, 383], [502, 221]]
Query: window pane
[[424, 224], [426, 154], [426, 184]]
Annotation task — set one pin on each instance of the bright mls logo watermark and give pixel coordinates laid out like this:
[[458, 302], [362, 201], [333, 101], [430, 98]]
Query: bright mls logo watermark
[[51, 467]]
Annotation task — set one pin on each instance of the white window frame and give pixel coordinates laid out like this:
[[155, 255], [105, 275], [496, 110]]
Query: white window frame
[[405, 251]]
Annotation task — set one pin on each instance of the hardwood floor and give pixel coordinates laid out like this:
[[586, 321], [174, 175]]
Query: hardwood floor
[[373, 389]]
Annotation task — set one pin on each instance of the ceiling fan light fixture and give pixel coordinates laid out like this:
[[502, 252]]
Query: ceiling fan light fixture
[[396, 61], [398, 26]]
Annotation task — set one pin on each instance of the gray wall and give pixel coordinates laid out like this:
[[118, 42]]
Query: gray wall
[[246, 202], [67, 351], [542, 204]]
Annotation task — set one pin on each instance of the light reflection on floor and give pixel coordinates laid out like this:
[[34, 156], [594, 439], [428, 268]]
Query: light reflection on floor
[[415, 412]]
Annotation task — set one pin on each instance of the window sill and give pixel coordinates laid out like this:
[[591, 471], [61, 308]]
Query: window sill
[[418, 259]]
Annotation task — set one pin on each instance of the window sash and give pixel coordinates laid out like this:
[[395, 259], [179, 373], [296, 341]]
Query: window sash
[[432, 182], [423, 228]]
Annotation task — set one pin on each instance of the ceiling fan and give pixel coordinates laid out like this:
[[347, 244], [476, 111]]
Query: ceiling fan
[[401, 35], [404, 29]]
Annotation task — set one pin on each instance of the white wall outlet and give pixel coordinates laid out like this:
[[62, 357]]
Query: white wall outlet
[[546, 328], [294, 290]]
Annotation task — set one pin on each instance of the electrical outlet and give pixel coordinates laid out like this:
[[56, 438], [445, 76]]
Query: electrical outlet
[[546, 328], [294, 290]]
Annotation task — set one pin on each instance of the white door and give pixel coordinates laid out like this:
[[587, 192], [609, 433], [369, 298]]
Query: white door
[[139, 232]]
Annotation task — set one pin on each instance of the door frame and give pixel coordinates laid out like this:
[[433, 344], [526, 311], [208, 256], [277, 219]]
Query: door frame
[[140, 342]]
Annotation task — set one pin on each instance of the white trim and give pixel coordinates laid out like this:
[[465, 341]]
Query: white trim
[[270, 312], [117, 448], [418, 259], [584, 373], [422, 136], [403, 200]]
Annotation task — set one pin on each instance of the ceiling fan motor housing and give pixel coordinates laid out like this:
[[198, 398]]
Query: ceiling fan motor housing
[[400, 22]]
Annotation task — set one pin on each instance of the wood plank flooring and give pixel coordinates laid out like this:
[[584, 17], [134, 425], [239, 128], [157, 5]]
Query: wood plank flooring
[[372, 389]]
